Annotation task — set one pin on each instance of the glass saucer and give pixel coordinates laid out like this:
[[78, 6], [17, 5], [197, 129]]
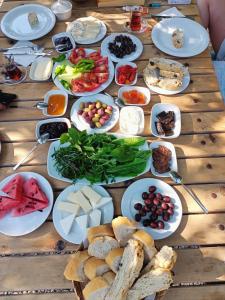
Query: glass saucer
[[144, 26], [22, 78]]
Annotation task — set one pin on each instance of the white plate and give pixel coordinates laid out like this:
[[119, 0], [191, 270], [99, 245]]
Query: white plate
[[185, 83], [15, 23], [158, 108], [196, 38], [140, 89], [96, 91], [133, 195], [81, 124], [130, 57], [53, 172], [17, 226], [123, 63], [76, 236], [173, 161], [102, 32], [47, 121]]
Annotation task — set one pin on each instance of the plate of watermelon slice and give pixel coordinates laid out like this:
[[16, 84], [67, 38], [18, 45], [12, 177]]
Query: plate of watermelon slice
[[26, 200]]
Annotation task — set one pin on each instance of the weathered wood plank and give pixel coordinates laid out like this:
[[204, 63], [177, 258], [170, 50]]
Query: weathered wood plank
[[53, 296]]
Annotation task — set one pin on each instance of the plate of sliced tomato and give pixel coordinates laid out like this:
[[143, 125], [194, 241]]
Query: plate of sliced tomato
[[84, 72]]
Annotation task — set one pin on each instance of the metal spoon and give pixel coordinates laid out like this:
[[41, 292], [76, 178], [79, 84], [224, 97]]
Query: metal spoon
[[178, 179], [119, 102], [41, 140], [41, 105]]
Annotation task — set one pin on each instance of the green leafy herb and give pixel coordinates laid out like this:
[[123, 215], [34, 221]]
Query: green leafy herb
[[65, 84], [59, 70], [99, 157], [59, 58]]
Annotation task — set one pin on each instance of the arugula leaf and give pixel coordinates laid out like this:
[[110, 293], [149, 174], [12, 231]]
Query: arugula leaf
[[59, 58]]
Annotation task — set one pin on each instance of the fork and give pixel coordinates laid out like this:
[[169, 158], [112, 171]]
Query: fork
[[34, 48]]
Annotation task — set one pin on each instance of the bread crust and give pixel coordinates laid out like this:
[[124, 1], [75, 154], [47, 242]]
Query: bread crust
[[114, 254], [95, 284], [97, 231], [92, 266]]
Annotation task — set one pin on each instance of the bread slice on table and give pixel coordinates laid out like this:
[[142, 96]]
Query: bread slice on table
[[113, 259], [96, 289], [152, 282], [164, 64], [101, 246], [95, 267], [130, 267], [109, 277], [148, 244], [75, 267], [123, 229], [101, 230], [178, 38]]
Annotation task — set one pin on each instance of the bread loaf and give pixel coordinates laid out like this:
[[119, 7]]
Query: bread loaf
[[101, 246], [101, 230], [113, 259], [109, 277], [178, 38], [123, 229], [96, 289], [148, 244], [152, 282], [95, 267], [130, 267], [75, 267]]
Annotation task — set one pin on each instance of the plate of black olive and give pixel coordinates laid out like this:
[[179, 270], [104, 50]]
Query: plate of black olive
[[121, 46]]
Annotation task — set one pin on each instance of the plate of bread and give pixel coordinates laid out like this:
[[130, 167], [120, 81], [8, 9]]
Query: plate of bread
[[180, 37], [121, 262], [79, 207], [165, 76]]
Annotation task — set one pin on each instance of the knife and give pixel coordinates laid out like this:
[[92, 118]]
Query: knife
[[29, 53], [168, 17]]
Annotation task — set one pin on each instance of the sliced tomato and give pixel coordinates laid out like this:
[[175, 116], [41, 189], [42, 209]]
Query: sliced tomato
[[102, 61], [102, 77], [102, 68], [94, 55], [80, 85], [81, 52], [73, 56], [121, 78]]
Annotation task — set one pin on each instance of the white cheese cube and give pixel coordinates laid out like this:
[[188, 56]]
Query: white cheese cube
[[67, 223], [68, 207], [91, 194], [82, 222], [79, 199], [95, 218], [103, 202]]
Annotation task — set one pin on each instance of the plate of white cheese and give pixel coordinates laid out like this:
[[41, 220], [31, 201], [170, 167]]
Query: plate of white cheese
[[80, 207]]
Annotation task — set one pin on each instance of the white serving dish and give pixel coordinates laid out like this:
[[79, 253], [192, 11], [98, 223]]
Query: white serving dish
[[59, 12], [96, 91], [34, 66], [196, 37], [133, 195], [173, 161], [128, 112], [123, 63], [17, 226], [80, 123], [38, 125], [76, 235], [55, 92], [158, 108], [63, 34], [130, 57], [16, 26], [140, 89], [54, 173]]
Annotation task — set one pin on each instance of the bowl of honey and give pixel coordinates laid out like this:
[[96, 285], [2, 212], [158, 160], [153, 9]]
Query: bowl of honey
[[57, 101]]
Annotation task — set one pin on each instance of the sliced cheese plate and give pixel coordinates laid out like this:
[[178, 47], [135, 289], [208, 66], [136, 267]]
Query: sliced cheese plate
[[72, 223]]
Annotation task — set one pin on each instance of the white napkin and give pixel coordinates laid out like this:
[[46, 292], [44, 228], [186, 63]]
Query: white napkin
[[23, 60], [173, 12]]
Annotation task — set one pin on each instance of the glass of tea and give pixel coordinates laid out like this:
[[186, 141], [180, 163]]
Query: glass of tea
[[12, 72], [136, 20]]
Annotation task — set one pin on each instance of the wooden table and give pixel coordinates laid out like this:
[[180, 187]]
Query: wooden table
[[33, 265]]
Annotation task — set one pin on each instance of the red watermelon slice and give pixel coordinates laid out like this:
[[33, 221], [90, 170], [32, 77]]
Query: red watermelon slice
[[28, 206], [14, 187], [6, 204], [32, 189]]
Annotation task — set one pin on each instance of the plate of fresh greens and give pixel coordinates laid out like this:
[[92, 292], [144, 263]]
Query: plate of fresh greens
[[98, 158]]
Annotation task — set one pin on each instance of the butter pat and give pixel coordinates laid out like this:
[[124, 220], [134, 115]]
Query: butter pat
[[41, 69], [67, 223], [68, 207], [78, 198], [91, 194]]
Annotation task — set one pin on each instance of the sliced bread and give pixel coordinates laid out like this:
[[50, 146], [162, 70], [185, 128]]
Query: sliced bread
[[94, 267], [113, 259], [130, 267], [75, 267], [152, 282], [101, 246], [123, 229], [101, 230], [148, 244], [97, 288], [165, 258], [109, 277]]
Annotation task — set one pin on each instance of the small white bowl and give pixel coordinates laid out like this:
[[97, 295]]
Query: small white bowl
[[62, 14], [34, 65], [158, 108], [173, 161], [55, 92], [62, 34], [128, 112], [38, 125], [123, 63], [140, 89]]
